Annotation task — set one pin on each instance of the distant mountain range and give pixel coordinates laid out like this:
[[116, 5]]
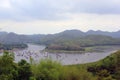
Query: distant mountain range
[[9, 38], [68, 34], [66, 40], [79, 33], [112, 34]]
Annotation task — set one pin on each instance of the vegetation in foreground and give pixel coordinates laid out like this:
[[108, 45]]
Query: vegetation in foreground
[[106, 69]]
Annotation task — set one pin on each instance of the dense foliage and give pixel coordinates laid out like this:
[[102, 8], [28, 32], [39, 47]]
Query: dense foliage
[[52, 70], [106, 69], [9, 70]]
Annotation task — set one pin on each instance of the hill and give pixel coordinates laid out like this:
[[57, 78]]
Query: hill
[[112, 34], [75, 40], [66, 40], [108, 68]]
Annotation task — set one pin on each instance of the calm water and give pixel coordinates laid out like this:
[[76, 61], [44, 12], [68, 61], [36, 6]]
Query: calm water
[[35, 52]]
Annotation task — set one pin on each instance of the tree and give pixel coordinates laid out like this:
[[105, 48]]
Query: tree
[[24, 71], [47, 70], [8, 69]]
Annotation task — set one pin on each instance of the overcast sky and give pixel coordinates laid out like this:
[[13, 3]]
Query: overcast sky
[[52, 16]]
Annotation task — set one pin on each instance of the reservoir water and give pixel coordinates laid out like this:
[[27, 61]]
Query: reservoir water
[[35, 52]]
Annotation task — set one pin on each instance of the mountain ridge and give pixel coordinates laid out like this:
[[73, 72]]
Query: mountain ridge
[[12, 37], [73, 31]]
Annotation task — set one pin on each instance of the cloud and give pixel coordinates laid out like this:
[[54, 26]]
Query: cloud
[[27, 10], [22, 10], [97, 6], [82, 22], [36, 9]]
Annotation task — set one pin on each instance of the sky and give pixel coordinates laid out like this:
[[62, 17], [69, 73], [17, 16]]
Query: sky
[[53, 16]]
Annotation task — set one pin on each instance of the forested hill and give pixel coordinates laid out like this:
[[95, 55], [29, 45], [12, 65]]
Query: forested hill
[[69, 39], [13, 37], [75, 40], [9, 41], [9, 38], [91, 32], [112, 34]]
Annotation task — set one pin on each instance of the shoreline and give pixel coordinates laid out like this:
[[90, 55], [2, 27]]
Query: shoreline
[[91, 49]]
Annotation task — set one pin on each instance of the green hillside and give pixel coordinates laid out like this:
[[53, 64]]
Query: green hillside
[[69, 40], [80, 44]]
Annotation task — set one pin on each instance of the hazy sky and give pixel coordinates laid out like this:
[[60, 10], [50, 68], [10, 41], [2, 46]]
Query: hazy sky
[[52, 16]]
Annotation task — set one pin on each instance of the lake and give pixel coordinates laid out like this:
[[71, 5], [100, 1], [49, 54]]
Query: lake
[[36, 53]]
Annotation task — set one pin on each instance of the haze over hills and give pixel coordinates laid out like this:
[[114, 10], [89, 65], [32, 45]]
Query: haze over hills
[[112, 34], [68, 34], [66, 40], [16, 38]]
